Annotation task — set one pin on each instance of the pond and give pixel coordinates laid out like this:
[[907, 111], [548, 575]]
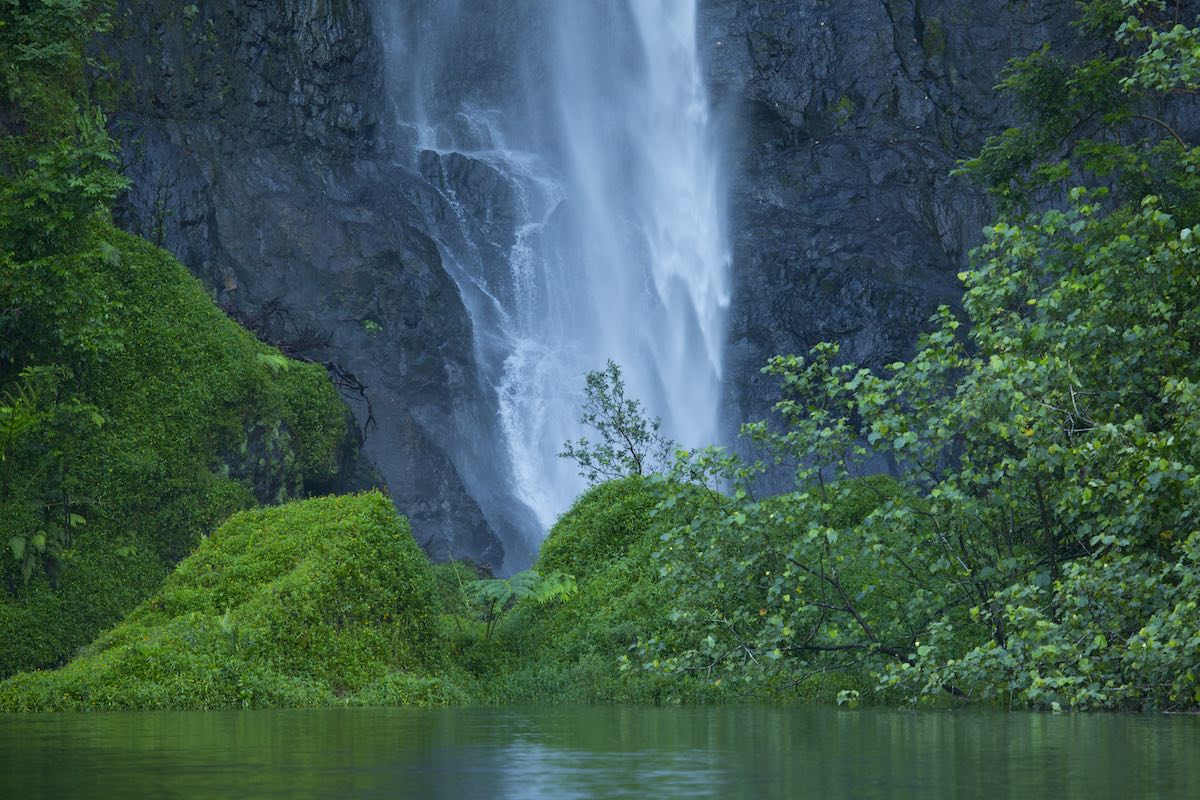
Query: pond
[[598, 752]]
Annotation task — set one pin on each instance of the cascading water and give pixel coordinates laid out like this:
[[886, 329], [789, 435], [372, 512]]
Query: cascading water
[[575, 170]]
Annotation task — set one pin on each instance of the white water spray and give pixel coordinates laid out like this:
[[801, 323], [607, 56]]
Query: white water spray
[[608, 239]]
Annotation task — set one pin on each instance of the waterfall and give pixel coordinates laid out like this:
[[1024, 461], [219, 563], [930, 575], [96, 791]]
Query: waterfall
[[575, 171]]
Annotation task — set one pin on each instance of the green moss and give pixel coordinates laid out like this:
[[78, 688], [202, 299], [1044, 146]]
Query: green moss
[[600, 528], [842, 111], [933, 38], [178, 397], [303, 604]]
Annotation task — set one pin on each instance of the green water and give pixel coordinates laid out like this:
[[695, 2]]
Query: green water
[[598, 752]]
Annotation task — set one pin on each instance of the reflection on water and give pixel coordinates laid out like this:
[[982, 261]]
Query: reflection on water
[[598, 752]]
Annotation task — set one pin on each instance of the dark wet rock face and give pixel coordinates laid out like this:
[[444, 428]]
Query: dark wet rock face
[[849, 118], [257, 144]]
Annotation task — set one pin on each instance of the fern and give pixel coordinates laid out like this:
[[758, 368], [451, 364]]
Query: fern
[[494, 597]]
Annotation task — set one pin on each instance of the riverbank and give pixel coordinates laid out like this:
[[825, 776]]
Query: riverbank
[[329, 602]]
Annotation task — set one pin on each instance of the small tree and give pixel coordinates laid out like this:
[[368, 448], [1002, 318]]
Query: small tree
[[630, 442]]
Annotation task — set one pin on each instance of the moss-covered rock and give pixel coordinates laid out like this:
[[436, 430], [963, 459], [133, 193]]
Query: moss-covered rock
[[311, 603], [600, 527], [571, 650], [183, 393]]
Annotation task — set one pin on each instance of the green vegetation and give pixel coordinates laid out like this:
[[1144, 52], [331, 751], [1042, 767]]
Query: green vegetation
[[585, 646], [786, 596], [1042, 548], [176, 424], [494, 597], [630, 442], [134, 415], [575, 650], [1037, 547], [311, 603], [327, 602]]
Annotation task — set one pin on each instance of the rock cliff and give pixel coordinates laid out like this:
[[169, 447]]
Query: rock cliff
[[849, 118]]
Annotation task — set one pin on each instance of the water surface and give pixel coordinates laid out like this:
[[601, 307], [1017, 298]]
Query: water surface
[[598, 752]]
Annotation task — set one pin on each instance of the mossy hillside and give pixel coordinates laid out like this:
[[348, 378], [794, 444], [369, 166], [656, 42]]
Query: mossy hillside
[[574, 650], [178, 398], [315, 602], [601, 527], [187, 388]]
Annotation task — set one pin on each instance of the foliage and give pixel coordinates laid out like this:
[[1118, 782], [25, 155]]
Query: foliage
[[601, 527], [127, 399], [56, 190], [409, 689], [177, 404], [1118, 631], [494, 596], [57, 181], [630, 443], [1100, 117], [295, 605], [1040, 549], [783, 596], [584, 648], [38, 430], [574, 650], [1034, 485]]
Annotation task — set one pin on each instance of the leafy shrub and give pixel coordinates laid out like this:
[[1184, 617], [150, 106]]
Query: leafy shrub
[[787, 596]]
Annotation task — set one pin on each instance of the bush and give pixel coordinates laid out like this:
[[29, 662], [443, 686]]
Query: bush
[[780, 598]]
